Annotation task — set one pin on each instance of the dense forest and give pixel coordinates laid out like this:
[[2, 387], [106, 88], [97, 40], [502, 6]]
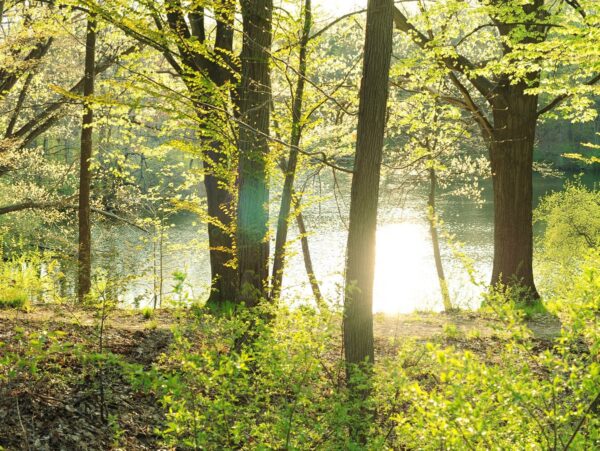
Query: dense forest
[[299, 224]]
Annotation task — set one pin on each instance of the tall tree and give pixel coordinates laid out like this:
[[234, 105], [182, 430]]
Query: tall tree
[[438, 149], [204, 61], [501, 91], [196, 60], [85, 233], [254, 110], [292, 162], [362, 226]]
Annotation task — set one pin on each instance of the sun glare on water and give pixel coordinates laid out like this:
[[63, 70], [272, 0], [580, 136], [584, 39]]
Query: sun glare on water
[[404, 270]]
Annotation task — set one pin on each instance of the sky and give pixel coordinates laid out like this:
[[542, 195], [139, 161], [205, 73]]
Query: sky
[[339, 7]]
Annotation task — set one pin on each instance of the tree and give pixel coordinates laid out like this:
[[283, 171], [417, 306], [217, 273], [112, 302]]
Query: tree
[[360, 260], [199, 59], [85, 232], [437, 149], [292, 161], [40, 102], [501, 90], [312, 93], [254, 111], [206, 66]]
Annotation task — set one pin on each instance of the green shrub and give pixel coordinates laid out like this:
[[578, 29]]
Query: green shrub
[[148, 313], [21, 279], [242, 381], [571, 219], [275, 379], [13, 297]]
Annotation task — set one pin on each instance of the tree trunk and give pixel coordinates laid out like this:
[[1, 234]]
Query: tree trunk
[[253, 200], [193, 64], [360, 261], [85, 234], [436, 242], [290, 169], [308, 266], [219, 202], [511, 157]]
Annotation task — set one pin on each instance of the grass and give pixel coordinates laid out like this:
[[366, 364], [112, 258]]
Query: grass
[[148, 313], [532, 309]]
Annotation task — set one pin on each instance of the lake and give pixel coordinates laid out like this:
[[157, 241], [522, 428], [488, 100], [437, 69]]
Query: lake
[[405, 278]]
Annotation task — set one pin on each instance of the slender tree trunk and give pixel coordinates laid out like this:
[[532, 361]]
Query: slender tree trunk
[[511, 156], [253, 201], [154, 275], [436, 242], [308, 265], [290, 170], [360, 262], [85, 234]]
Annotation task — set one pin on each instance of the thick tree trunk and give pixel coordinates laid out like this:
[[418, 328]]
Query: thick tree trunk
[[511, 157], [435, 241], [85, 234], [193, 65], [290, 170], [360, 261], [253, 201]]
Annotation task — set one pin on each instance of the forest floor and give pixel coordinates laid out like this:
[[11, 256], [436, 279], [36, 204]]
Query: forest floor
[[49, 401]]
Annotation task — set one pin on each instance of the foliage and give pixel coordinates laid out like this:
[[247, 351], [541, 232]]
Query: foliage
[[572, 227], [148, 313], [275, 379], [30, 277], [239, 381], [236, 381], [12, 297]]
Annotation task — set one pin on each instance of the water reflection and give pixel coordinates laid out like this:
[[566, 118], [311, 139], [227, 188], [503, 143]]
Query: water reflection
[[405, 278]]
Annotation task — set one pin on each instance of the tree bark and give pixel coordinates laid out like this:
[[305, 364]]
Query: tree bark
[[219, 202], [84, 212], [253, 200], [360, 261], [290, 169], [511, 158], [435, 241]]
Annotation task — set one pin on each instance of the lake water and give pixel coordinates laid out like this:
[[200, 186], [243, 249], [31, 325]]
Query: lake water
[[405, 279]]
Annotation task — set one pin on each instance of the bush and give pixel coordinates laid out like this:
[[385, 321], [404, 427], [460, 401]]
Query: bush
[[245, 381], [572, 221], [148, 313], [13, 297], [31, 276], [572, 226], [275, 380]]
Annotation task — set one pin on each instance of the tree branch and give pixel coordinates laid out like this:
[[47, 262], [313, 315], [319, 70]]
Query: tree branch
[[458, 63], [472, 106], [63, 205], [32, 129], [559, 99]]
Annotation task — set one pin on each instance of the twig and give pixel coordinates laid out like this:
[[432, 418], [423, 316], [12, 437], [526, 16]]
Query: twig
[[22, 425], [591, 408]]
